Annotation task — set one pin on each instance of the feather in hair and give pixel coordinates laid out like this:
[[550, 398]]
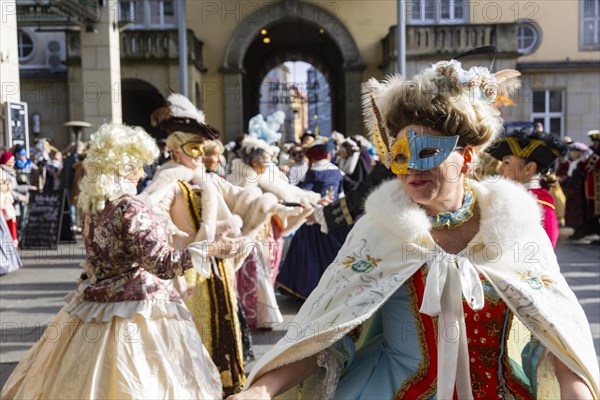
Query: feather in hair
[[250, 143], [380, 137], [370, 89], [505, 75], [160, 115]]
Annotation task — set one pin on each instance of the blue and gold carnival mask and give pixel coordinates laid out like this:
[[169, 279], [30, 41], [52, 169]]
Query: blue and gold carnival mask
[[420, 152], [449, 82]]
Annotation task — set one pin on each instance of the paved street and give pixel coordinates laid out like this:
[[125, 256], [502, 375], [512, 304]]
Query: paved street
[[31, 296]]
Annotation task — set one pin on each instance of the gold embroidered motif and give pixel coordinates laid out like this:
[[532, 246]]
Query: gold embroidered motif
[[361, 265], [536, 281]]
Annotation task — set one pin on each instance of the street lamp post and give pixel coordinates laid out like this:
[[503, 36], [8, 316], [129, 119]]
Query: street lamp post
[[77, 128], [182, 36], [401, 38]]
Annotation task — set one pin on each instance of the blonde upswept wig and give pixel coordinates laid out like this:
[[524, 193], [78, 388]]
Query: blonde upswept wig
[[443, 97], [116, 151]]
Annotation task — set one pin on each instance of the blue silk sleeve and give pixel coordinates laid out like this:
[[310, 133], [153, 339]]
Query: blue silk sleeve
[[344, 350]]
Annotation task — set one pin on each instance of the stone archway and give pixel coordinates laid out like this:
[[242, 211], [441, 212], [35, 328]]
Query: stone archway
[[140, 99], [343, 61]]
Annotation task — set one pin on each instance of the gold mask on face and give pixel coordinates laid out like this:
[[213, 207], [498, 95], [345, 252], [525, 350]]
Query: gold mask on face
[[193, 149]]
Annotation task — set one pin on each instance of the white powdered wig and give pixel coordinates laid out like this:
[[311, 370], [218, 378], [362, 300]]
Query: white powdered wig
[[116, 153]]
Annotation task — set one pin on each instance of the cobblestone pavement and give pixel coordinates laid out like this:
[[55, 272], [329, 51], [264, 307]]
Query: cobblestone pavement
[[30, 297]]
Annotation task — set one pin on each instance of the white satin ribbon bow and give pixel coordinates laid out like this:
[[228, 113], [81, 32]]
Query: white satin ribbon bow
[[449, 276]]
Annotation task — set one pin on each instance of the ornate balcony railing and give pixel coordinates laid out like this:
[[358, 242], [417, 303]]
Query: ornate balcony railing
[[56, 12], [147, 46], [432, 40]]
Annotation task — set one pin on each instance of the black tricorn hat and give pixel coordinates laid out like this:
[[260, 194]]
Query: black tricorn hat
[[541, 147], [181, 115]]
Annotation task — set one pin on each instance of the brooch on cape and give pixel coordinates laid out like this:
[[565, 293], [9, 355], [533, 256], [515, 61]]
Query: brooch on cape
[[359, 261]]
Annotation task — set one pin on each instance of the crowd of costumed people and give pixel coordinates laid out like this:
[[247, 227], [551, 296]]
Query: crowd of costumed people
[[399, 246]]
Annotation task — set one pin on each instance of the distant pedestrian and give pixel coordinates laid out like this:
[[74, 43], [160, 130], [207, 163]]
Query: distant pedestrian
[[11, 261], [7, 161], [526, 158]]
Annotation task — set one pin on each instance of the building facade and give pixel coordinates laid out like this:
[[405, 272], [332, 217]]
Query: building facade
[[554, 44]]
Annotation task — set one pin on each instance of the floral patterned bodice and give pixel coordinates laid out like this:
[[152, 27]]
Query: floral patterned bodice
[[128, 256]]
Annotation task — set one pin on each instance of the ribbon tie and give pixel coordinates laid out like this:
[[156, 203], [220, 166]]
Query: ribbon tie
[[449, 276]]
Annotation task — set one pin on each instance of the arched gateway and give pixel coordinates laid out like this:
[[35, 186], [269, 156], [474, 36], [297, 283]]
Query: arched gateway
[[298, 31], [140, 99]]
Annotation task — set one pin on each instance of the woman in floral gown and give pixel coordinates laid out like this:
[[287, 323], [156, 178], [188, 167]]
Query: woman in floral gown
[[125, 332]]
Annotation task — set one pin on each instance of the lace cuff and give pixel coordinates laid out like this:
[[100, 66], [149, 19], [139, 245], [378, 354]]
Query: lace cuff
[[323, 383]]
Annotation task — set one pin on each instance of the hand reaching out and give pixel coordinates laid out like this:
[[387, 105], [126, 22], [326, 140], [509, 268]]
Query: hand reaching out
[[225, 245], [325, 201]]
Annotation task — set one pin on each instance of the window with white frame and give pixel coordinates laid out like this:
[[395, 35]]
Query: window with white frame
[[548, 108], [436, 11], [24, 45], [130, 11], [162, 12], [528, 36], [148, 13], [590, 25]]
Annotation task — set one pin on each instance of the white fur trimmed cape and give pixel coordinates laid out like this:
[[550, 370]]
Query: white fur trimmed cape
[[274, 181], [224, 206], [392, 241]]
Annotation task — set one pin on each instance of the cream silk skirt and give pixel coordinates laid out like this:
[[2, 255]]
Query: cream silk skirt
[[134, 358]]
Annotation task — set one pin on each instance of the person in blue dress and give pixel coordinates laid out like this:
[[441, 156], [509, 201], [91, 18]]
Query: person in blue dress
[[311, 251], [434, 294]]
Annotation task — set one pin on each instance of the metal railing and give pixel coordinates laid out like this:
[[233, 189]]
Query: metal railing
[[147, 45], [431, 40]]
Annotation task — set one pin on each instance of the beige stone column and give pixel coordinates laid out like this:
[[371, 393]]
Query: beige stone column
[[101, 68], [9, 60]]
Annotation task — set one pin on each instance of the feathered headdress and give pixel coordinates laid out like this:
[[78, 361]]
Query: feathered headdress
[[445, 79], [181, 115]]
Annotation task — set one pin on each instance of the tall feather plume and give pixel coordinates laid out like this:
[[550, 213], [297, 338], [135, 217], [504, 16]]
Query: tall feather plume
[[370, 89], [182, 107], [506, 74], [380, 136], [375, 96]]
